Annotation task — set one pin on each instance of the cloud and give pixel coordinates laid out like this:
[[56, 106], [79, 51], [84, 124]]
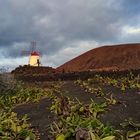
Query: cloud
[[131, 30], [71, 51], [11, 63], [60, 27], [130, 34]]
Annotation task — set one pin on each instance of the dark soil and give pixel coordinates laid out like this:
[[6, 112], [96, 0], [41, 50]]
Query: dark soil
[[39, 115], [128, 106]]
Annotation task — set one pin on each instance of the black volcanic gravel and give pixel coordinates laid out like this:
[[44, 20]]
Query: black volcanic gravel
[[129, 106]]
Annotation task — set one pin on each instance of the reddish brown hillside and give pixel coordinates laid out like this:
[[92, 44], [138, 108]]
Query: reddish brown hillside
[[115, 57]]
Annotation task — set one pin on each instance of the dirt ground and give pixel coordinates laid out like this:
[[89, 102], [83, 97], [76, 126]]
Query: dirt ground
[[128, 106]]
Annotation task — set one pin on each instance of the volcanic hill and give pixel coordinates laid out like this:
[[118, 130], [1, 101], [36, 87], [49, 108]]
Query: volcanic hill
[[106, 58]]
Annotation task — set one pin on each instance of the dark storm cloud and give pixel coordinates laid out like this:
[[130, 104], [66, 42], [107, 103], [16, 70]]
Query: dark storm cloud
[[56, 24]]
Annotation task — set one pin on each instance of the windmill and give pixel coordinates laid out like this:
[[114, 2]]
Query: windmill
[[34, 56]]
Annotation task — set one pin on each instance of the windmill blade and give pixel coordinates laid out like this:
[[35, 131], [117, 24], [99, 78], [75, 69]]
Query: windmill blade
[[33, 46], [25, 53], [40, 54]]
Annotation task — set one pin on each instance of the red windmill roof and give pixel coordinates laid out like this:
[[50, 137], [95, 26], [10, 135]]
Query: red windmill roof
[[35, 53]]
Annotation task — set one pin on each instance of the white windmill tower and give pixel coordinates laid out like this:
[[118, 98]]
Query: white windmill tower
[[34, 59], [34, 56]]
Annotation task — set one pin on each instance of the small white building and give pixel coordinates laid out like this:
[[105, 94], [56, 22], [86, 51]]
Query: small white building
[[34, 59]]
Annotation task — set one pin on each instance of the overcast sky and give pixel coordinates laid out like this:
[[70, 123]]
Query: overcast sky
[[63, 29]]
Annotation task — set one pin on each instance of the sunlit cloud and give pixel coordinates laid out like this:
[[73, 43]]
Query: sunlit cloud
[[131, 30]]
